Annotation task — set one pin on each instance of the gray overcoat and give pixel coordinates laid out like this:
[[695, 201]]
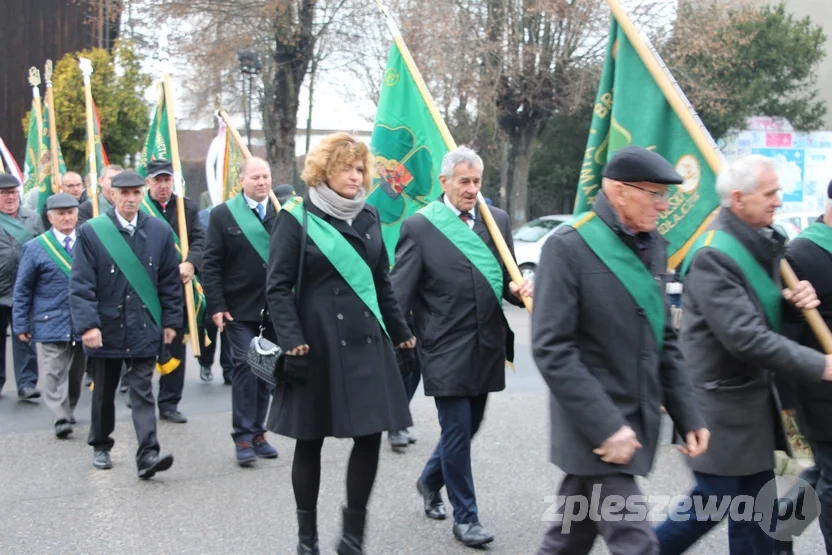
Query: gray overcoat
[[732, 352], [598, 354]]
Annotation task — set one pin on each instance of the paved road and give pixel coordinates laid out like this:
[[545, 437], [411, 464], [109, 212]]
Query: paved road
[[53, 501]]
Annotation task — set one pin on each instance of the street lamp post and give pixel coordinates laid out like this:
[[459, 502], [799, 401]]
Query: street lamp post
[[250, 66]]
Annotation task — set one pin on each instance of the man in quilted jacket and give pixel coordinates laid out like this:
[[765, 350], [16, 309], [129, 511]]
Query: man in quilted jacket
[[41, 310]]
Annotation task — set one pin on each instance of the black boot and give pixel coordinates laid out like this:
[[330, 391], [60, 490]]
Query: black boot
[[308, 533], [352, 537]]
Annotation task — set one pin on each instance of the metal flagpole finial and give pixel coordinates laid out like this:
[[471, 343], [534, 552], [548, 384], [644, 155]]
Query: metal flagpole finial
[[217, 104], [86, 67], [47, 73], [34, 77]]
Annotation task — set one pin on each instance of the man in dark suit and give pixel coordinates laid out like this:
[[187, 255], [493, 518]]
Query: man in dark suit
[[605, 345], [126, 300], [449, 274], [810, 256], [161, 202], [234, 277], [732, 316]]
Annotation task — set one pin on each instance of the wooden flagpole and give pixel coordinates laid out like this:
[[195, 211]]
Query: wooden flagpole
[[180, 199], [53, 133], [246, 152], [86, 71], [487, 217], [706, 148]]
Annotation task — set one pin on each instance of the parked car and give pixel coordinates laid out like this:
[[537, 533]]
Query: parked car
[[529, 239]]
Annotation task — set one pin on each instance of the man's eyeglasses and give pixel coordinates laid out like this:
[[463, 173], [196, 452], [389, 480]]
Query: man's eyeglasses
[[658, 196]]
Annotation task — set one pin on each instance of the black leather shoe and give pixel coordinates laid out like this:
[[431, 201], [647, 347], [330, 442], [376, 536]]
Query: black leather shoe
[[434, 507], [63, 429], [154, 464], [28, 394], [102, 461], [411, 437], [472, 535], [398, 440], [173, 416]]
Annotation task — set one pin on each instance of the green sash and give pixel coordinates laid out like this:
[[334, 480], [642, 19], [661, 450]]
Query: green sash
[[760, 281], [627, 267], [250, 225], [128, 263], [468, 243], [15, 228], [820, 234], [56, 251], [340, 254], [199, 294]]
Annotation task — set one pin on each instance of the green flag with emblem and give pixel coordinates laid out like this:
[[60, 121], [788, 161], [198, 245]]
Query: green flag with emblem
[[44, 182], [631, 109], [408, 150], [157, 145]]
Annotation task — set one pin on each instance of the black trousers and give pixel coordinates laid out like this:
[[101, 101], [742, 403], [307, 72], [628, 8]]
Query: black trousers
[[106, 374], [207, 354], [171, 385], [574, 534], [250, 396]]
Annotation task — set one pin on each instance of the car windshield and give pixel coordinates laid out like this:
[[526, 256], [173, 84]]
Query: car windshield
[[535, 230]]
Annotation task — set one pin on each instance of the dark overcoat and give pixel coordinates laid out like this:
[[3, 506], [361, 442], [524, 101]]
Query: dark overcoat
[[353, 386], [233, 274], [101, 297], [463, 335], [732, 352], [813, 403], [10, 251], [598, 353]]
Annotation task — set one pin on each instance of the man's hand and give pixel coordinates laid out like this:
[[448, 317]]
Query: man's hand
[[827, 372], [25, 337], [803, 296], [169, 334], [409, 344], [186, 272], [92, 339], [298, 351], [526, 289], [619, 447], [697, 443], [220, 318]]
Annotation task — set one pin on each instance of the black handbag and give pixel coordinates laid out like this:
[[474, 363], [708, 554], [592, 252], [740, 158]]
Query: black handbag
[[264, 357]]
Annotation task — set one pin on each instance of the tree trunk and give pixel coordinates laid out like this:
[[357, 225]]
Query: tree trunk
[[281, 119], [505, 171], [522, 144]]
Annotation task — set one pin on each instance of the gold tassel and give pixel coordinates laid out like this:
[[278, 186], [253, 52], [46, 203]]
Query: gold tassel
[[511, 365]]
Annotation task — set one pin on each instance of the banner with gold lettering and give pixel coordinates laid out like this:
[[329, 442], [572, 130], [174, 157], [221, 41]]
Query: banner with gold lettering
[[630, 108]]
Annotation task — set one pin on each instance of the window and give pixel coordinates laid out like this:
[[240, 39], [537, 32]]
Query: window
[[534, 231]]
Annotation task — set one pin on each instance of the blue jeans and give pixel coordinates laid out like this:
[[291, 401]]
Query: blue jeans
[[450, 464], [744, 537], [249, 394], [23, 354]]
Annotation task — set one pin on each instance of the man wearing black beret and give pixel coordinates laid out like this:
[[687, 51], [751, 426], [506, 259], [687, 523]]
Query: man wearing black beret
[[605, 345], [126, 300], [18, 225]]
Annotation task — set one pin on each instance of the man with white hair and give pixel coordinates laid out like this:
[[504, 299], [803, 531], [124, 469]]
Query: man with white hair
[[732, 313], [449, 274]]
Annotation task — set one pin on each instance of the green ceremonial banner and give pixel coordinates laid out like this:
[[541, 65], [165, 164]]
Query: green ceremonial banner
[[45, 186], [408, 149], [101, 160], [631, 109], [34, 150], [157, 145]]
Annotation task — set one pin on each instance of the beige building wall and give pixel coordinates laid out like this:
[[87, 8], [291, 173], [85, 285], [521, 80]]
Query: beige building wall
[[820, 11]]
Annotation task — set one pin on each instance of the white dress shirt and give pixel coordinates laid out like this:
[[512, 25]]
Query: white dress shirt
[[253, 204], [124, 222], [61, 238], [472, 213]]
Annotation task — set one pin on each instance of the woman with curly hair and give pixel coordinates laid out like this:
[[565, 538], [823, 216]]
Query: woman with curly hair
[[337, 320]]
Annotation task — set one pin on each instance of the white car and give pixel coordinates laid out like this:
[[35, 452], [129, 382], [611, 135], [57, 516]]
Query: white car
[[529, 239]]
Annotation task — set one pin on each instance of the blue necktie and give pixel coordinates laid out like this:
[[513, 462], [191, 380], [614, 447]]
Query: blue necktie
[[261, 211], [68, 244]]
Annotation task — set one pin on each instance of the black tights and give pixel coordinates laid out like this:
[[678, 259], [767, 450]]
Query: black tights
[[361, 472]]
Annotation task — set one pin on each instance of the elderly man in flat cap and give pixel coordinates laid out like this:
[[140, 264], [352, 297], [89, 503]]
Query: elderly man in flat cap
[[732, 312], [41, 310], [126, 299], [604, 343], [18, 225]]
